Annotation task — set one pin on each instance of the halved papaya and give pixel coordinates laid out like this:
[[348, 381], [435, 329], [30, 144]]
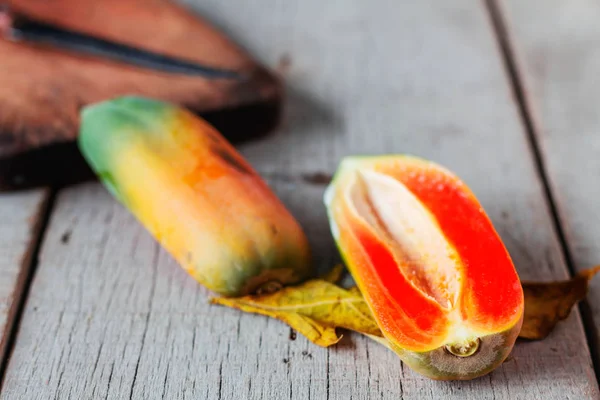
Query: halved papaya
[[429, 263]]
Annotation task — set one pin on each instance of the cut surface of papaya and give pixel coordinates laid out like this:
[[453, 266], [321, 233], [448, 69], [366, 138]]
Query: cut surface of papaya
[[429, 263]]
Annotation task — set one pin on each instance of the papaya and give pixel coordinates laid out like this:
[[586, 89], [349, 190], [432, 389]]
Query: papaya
[[196, 195], [429, 263]]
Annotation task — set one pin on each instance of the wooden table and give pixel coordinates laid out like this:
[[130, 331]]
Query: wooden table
[[506, 93]]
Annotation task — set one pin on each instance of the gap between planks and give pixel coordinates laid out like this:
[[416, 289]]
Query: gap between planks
[[30, 258], [23, 284], [332, 57], [506, 48]]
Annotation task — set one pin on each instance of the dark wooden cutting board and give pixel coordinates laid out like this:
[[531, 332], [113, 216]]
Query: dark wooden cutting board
[[43, 89]]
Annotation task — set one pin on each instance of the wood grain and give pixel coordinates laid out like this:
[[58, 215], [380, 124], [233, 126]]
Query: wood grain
[[20, 217], [556, 48], [111, 315]]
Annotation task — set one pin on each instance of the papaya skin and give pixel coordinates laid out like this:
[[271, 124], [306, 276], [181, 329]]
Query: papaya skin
[[196, 195], [431, 309], [440, 364]]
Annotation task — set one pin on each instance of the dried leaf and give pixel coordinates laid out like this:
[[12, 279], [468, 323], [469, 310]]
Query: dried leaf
[[548, 303], [317, 307], [314, 309], [334, 274]]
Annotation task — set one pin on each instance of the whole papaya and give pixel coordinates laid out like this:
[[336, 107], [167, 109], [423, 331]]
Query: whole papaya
[[429, 263], [196, 195]]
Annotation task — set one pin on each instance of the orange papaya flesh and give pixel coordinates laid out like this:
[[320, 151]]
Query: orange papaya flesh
[[429, 263]]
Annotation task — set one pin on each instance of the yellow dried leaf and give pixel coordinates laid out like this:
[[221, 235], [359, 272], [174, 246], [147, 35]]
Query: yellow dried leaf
[[317, 307], [314, 309]]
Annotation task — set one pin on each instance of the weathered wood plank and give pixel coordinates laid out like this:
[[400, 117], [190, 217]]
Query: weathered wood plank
[[557, 50], [111, 315], [20, 215]]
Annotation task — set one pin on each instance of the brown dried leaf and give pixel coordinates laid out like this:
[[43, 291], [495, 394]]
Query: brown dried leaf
[[548, 303]]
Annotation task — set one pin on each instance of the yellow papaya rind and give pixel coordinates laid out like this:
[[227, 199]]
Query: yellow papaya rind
[[169, 168]]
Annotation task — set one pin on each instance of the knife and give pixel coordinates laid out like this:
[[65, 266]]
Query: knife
[[18, 28]]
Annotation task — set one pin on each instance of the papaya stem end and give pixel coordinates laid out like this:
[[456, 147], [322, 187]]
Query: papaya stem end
[[464, 348]]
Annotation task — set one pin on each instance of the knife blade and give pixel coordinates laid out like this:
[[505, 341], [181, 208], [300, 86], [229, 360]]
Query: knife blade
[[20, 28]]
